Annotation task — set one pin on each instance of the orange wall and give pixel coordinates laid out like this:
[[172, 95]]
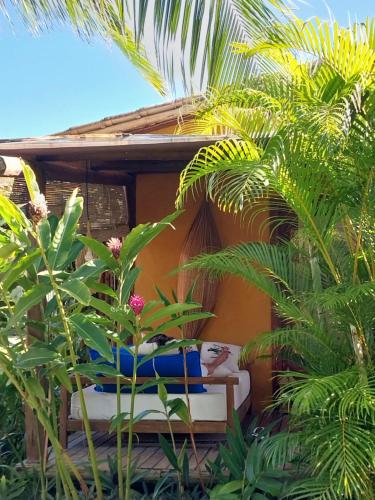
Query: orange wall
[[241, 311]]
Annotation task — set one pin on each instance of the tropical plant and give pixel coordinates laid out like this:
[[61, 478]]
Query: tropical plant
[[38, 276], [241, 469], [186, 44], [12, 424], [303, 156], [131, 318]]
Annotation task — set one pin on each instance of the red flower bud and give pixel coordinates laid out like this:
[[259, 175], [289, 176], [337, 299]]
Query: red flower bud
[[137, 303]]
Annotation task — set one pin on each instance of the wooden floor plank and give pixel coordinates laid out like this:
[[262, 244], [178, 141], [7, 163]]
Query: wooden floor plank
[[153, 460], [147, 455]]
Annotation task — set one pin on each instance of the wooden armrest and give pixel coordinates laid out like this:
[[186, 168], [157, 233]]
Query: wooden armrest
[[172, 380]]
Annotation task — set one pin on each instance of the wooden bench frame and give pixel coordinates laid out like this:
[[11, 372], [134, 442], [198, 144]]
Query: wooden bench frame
[[68, 424]]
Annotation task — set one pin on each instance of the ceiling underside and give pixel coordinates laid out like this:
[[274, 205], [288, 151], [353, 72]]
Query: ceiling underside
[[107, 158]]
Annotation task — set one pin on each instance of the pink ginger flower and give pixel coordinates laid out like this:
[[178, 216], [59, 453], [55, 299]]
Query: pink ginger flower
[[137, 303], [115, 245]]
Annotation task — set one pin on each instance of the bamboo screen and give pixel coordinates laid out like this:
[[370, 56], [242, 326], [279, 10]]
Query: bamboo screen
[[106, 207]]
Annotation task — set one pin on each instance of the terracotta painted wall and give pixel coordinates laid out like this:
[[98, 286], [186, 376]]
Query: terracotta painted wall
[[241, 311]]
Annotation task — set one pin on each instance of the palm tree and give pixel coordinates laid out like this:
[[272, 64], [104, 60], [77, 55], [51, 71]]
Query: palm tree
[[304, 142], [188, 42], [298, 98]]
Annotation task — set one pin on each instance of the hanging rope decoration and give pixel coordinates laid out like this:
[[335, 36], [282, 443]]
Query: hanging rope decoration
[[203, 237]]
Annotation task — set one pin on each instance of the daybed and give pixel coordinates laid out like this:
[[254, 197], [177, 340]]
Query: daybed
[[211, 411]]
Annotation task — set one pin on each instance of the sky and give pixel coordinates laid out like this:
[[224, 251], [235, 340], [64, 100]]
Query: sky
[[56, 80]]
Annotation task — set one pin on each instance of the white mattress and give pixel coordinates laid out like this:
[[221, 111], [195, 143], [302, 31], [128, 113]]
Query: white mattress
[[210, 405]]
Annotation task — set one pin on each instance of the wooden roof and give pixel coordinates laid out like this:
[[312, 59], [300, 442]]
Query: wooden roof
[[141, 121], [106, 158], [121, 146], [112, 150]]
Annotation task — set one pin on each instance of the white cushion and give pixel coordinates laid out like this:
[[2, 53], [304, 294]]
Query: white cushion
[[146, 348], [210, 405], [210, 350]]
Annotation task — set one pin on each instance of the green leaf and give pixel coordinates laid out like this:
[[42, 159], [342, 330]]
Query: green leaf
[[35, 387], [181, 456], [89, 270], [101, 251], [14, 217], [92, 335], [168, 311], [74, 252], [162, 391], [29, 299], [36, 356], [163, 297], [151, 383], [95, 369], [101, 288], [44, 231], [62, 376], [130, 279], [143, 414], [240, 440], [65, 232], [7, 250], [230, 462], [183, 320], [114, 313], [259, 496], [140, 417], [168, 452], [53, 223], [117, 420], [270, 485], [31, 182], [76, 289], [221, 490], [150, 305], [185, 465], [178, 407]]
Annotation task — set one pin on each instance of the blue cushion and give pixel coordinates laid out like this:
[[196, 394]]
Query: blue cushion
[[165, 365]]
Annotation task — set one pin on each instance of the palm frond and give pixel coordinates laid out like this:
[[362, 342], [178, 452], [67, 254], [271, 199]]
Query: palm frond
[[192, 39], [317, 351]]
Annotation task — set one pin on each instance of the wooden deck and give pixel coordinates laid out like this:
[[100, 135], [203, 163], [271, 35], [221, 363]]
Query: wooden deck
[[147, 454]]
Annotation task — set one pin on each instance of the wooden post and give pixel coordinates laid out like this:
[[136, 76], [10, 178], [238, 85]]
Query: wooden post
[[131, 192], [33, 429], [230, 404]]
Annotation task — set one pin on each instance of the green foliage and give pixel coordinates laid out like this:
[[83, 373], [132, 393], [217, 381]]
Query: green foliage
[[303, 156], [11, 424], [42, 291], [242, 469]]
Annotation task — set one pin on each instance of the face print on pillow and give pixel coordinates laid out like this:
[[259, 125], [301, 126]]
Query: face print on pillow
[[210, 350]]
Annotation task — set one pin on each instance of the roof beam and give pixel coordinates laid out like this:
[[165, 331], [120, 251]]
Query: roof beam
[[111, 156], [139, 166], [80, 175]]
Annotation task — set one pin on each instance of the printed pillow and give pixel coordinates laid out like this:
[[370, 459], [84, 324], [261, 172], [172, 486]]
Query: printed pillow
[[166, 366], [210, 350]]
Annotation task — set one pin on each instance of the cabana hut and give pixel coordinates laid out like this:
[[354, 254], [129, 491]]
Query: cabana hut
[[127, 168]]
